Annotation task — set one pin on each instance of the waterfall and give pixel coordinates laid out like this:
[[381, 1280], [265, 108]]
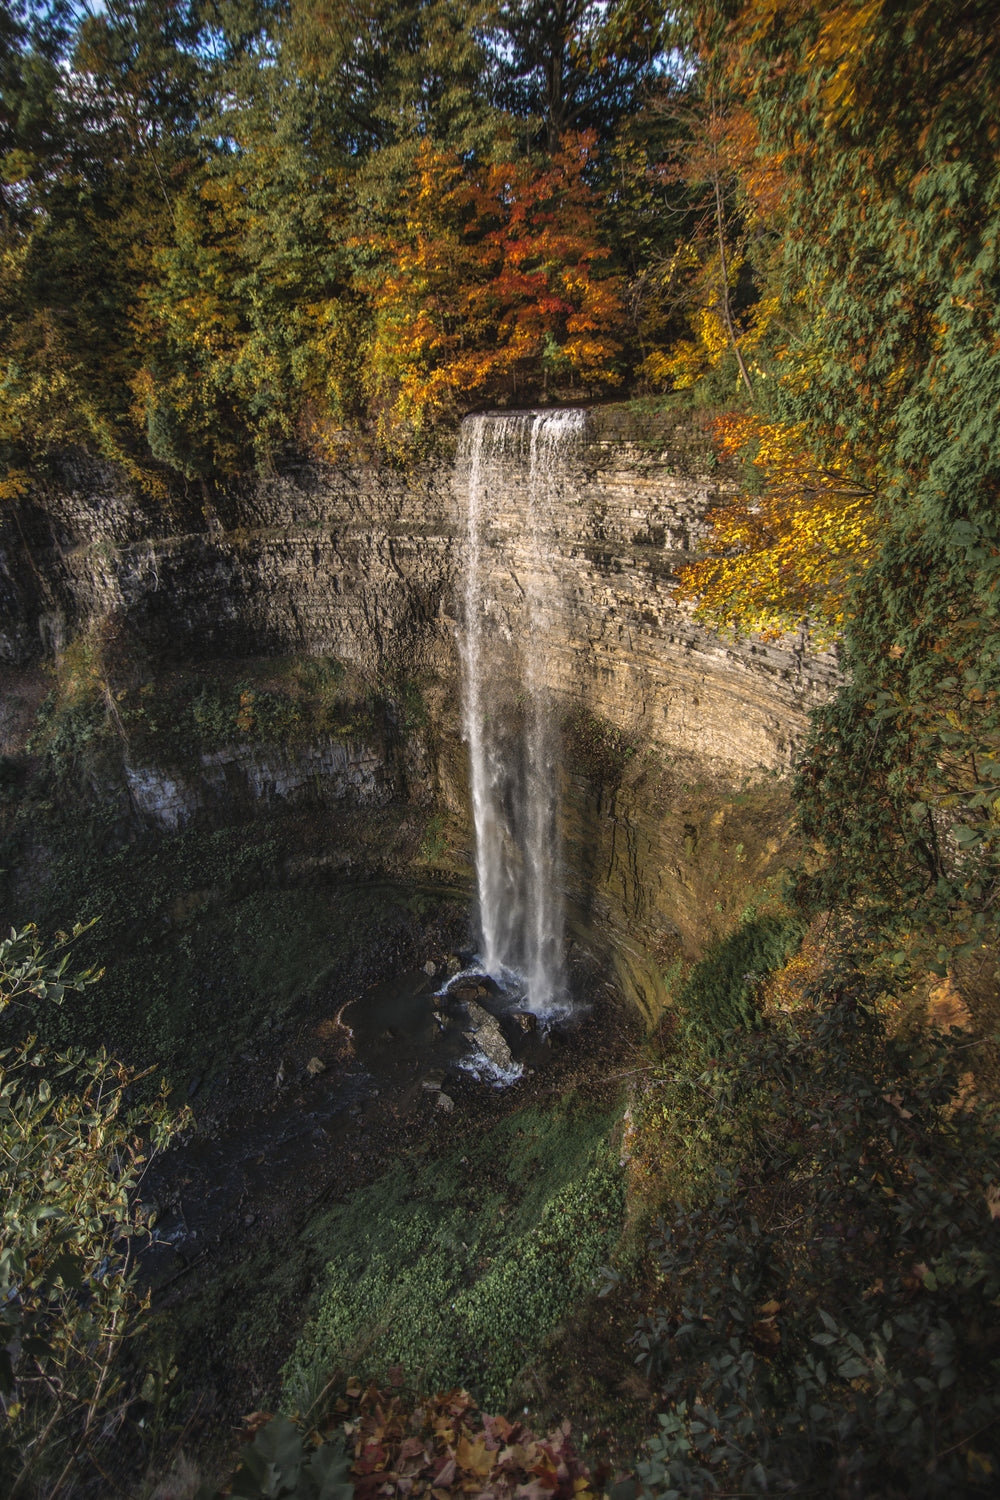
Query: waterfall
[[507, 717]]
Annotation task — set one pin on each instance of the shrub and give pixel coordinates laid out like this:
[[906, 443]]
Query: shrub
[[720, 992], [70, 1164], [826, 1321]]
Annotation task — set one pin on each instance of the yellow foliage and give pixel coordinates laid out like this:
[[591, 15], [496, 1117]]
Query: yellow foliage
[[787, 553], [13, 484]]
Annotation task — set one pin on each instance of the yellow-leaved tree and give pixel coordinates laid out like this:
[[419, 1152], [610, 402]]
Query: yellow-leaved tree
[[785, 550]]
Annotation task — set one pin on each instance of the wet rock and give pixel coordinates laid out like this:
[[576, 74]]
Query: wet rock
[[314, 1066], [526, 1019], [433, 1081], [487, 1036], [445, 1102], [430, 968], [453, 965]]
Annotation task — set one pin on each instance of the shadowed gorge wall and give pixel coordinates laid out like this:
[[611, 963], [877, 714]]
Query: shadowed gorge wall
[[365, 565]]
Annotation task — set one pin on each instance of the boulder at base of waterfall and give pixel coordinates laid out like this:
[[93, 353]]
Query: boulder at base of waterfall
[[487, 1036], [467, 992]]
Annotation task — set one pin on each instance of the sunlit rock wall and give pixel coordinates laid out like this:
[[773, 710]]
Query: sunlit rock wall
[[365, 565]]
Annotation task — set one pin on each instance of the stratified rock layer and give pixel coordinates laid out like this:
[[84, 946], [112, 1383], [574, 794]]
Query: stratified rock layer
[[366, 565]]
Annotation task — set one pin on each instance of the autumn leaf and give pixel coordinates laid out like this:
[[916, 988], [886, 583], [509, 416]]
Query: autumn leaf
[[474, 1457]]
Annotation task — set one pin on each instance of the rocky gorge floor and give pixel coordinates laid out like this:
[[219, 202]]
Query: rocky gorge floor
[[311, 1117]]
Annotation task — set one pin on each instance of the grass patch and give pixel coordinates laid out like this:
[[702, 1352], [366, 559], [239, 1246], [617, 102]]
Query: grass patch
[[460, 1273]]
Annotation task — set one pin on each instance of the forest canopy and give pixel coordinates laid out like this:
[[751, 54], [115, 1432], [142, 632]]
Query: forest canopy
[[237, 225]]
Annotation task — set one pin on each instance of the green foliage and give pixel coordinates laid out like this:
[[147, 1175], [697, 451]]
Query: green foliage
[[720, 992], [823, 1314], [435, 840], [900, 779], [71, 1161], [281, 1464], [459, 1274], [89, 718]]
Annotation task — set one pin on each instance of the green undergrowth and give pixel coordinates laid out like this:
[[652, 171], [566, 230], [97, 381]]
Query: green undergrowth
[[720, 992], [103, 706], [458, 1272], [826, 1267]]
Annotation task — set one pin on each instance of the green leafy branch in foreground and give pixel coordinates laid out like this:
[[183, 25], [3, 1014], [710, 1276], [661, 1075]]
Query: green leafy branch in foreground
[[71, 1161]]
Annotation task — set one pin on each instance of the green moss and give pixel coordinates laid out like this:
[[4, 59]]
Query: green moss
[[461, 1271]]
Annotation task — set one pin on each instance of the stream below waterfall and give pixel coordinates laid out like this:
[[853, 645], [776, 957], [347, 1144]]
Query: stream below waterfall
[[310, 1115]]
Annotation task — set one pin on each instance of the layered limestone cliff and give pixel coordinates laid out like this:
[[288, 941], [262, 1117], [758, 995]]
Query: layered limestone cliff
[[365, 565]]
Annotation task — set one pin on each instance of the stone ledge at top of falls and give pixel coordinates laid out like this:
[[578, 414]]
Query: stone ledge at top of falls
[[366, 565]]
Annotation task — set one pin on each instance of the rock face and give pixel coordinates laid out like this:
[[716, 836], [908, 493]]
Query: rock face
[[350, 774], [367, 566], [485, 1033]]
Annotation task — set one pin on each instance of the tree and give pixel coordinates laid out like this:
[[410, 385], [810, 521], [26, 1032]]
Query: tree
[[71, 1161], [493, 280], [790, 546], [563, 66], [98, 195], [889, 115]]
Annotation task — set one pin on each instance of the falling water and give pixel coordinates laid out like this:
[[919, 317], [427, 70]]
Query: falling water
[[508, 722]]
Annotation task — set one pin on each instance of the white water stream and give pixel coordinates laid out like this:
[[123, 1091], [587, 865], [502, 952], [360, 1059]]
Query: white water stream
[[509, 726]]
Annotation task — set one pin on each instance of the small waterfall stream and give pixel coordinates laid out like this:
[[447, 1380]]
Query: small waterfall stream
[[508, 721]]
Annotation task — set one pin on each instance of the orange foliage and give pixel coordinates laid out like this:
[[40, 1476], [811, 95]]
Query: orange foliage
[[439, 1446], [492, 271], [719, 161]]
